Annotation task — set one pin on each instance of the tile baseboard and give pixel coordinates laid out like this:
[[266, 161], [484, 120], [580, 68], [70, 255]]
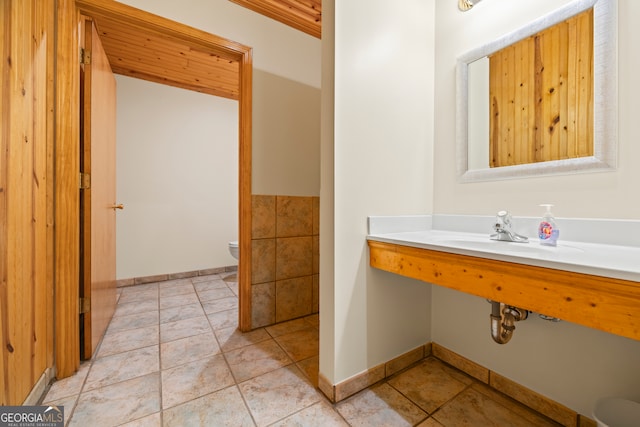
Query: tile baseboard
[[535, 401], [121, 283]]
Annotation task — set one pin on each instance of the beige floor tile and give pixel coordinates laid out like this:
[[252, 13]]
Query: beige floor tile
[[223, 319], [69, 404], [222, 408], [257, 359], [287, 327], [133, 321], [222, 304], [313, 320], [175, 291], [195, 379], [207, 278], [215, 293], [231, 338], [278, 394], [128, 297], [138, 288], [136, 307], [230, 277], [256, 380], [153, 420], [176, 300], [131, 339], [443, 383], [430, 422], [188, 349], [70, 386], [209, 284], [301, 344], [184, 328], [380, 405], [234, 287], [118, 403], [320, 414], [176, 283], [472, 408], [123, 366], [521, 410], [310, 367], [181, 312]]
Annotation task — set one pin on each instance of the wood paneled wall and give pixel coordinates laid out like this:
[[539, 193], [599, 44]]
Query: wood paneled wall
[[541, 96], [26, 188]]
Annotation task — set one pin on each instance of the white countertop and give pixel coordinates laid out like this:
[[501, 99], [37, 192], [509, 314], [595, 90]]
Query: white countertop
[[608, 260]]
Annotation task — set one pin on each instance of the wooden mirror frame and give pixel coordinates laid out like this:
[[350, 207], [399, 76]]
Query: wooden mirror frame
[[605, 92]]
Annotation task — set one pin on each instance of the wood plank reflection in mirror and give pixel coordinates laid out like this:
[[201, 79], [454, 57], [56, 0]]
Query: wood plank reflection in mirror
[[541, 96]]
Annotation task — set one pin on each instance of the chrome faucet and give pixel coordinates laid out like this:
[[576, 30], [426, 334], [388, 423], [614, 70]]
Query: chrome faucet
[[502, 227]]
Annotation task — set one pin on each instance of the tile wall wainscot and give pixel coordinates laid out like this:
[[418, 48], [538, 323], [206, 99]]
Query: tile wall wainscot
[[285, 258], [535, 401]]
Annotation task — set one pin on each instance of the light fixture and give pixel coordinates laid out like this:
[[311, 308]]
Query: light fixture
[[465, 5]]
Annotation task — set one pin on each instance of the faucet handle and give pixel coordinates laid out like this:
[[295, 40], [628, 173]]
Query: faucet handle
[[503, 220]]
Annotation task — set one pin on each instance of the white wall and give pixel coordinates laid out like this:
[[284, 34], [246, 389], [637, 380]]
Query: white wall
[[376, 160], [594, 195], [286, 137], [177, 175], [569, 363]]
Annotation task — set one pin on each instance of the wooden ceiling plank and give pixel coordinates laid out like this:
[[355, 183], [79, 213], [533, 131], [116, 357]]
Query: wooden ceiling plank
[[110, 10], [166, 81], [287, 10], [158, 51], [225, 76], [278, 11], [298, 8], [167, 59], [186, 82], [129, 36], [172, 61]]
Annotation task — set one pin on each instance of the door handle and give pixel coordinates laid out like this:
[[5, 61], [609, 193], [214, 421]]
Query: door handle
[[118, 206]]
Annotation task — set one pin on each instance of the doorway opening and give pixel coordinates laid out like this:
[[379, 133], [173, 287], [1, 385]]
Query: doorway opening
[[145, 46]]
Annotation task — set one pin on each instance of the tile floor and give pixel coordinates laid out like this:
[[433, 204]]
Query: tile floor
[[172, 356]]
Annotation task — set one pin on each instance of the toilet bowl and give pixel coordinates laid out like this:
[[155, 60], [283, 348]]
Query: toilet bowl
[[616, 412], [233, 249]]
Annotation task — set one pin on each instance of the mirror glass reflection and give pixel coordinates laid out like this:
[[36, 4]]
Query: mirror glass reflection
[[486, 128]]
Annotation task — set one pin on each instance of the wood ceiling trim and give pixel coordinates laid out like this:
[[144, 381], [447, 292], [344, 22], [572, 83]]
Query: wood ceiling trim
[[110, 10], [170, 62], [149, 47], [215, 91], [303, 15]]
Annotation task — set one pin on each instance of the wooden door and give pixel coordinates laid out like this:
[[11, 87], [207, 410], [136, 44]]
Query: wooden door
[[98, 207]]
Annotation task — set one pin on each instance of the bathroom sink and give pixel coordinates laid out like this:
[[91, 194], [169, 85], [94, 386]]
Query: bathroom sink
[[613, 253], [483, 243]]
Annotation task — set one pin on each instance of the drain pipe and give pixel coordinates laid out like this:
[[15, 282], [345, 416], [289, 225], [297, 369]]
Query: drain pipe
[[503, 319]]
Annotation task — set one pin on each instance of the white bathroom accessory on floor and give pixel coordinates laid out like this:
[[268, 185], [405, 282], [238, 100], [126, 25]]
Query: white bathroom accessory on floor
[[617, 412], [233, 249]]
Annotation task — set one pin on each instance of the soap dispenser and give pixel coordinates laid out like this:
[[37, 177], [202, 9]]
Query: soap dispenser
[[548, 230]]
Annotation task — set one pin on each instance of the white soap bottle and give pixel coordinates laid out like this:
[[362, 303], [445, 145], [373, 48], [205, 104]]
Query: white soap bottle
[[548, 230]]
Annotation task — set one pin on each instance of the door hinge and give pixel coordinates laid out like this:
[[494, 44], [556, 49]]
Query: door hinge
[[85, 305], [85, 56], [85, 181]]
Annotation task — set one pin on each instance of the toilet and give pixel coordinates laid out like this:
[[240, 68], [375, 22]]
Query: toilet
[[233, 249], [616, 412]]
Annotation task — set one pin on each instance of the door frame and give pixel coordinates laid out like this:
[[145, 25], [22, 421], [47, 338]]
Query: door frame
[[67, 167]]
